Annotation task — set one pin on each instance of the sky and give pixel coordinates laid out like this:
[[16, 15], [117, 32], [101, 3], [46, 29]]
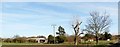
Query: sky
[[36, 18], [60, 0]]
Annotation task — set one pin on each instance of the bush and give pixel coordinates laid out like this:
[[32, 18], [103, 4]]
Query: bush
[[32, 41], [60, 39], [50, 39], [19, 40], [8, 40]]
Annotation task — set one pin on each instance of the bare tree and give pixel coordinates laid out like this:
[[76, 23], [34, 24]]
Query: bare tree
[[98, 24], [76, 27]]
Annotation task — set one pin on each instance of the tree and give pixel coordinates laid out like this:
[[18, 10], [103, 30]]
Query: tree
[[107, 36], [61, 31], [101, 37], [76, 27], [8, 40], [98, 23], [88, 36], [50, 39], [16, 36], [20, 40], [61, 35]]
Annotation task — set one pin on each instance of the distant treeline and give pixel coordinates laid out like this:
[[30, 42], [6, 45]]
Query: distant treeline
[[51, 39], [19, 40]]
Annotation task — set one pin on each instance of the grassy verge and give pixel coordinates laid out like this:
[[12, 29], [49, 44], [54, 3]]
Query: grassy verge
[[65, 44]]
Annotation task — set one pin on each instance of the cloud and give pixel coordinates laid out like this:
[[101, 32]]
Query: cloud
[[86, 7], [36, 18]]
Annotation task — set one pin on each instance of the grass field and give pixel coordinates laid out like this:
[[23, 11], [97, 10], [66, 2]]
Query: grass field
[[55, 45], [66, 44]]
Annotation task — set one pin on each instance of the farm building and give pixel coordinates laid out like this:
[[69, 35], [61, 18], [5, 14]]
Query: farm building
[[39, 39]]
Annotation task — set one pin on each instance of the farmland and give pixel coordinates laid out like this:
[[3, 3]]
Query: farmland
[[101, 44]]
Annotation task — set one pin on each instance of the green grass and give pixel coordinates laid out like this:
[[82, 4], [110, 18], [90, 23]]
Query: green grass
[[32, 44], [100, 46], [101, 42], [20, 44]]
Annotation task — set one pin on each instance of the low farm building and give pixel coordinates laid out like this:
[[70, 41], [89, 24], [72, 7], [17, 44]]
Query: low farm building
[[39, 39]]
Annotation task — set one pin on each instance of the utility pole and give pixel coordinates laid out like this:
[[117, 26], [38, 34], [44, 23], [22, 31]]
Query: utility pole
[[53, 25]]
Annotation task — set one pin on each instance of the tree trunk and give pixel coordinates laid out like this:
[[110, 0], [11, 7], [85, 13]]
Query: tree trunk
[[96, 39], [75, 40]]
